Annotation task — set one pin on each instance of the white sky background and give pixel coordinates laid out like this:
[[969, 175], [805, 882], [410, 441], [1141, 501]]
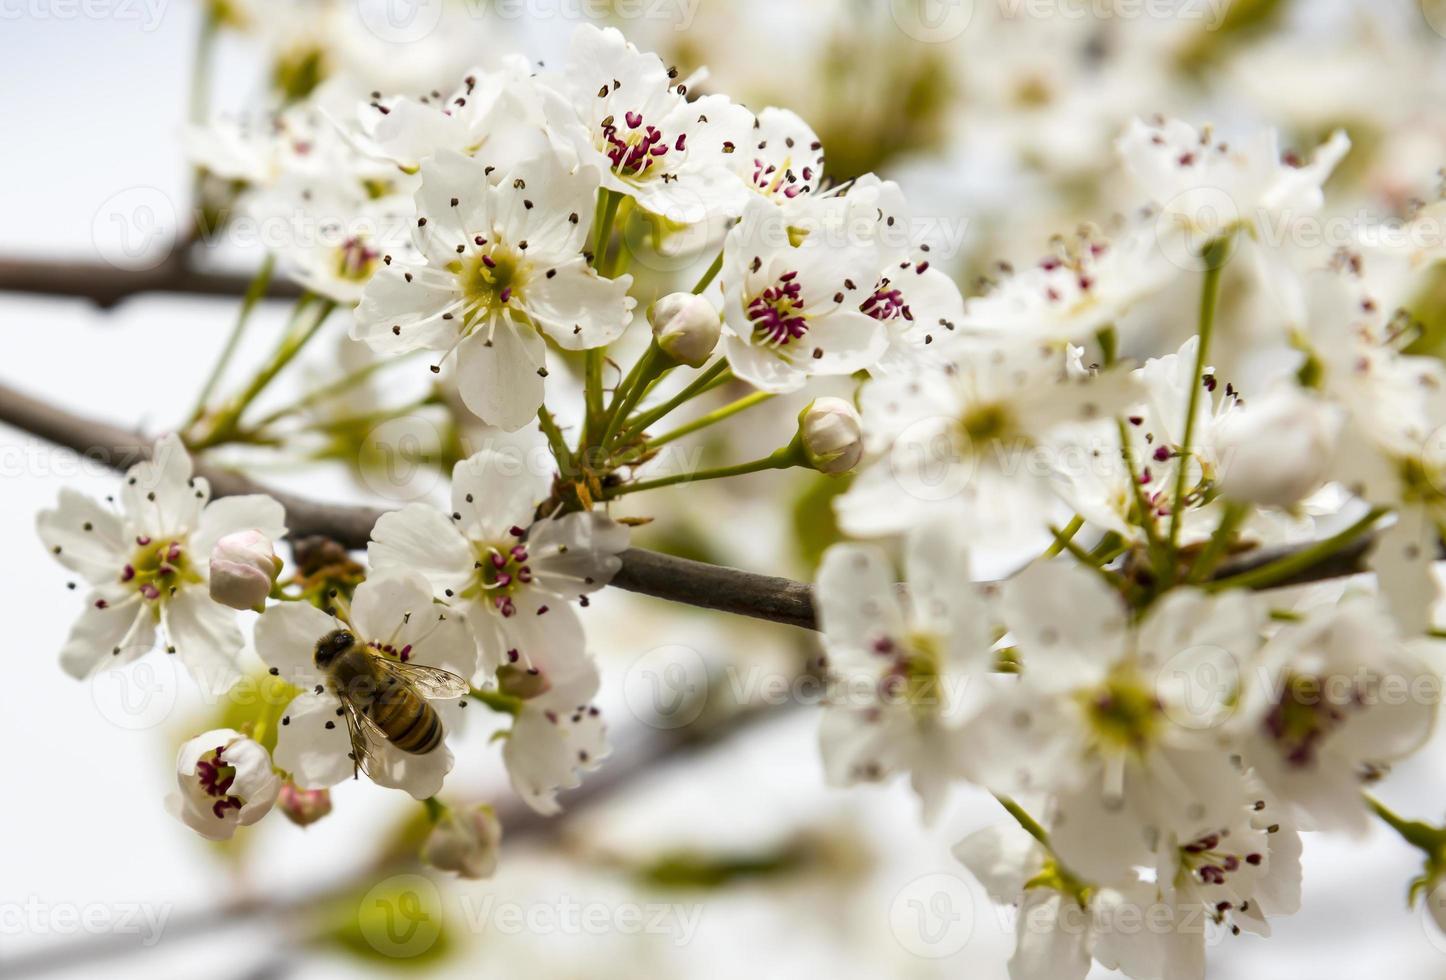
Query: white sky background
[[92, 107]]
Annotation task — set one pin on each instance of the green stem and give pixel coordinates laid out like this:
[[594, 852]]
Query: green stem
[[1024, 819], [1070, 530], [436, 809], [592, 394], [229, 418], [712, 273], [608, 202], [1214, 255], [254, 292], [1413, 832], [789, 456], [555, 440], [501, 703], [1109, 342], [1230, 521], [649, 366], [1267, 575], [367, 418], [1083, 557], [1142, 505], [713, 376], [712, 418], [331, 390], [200, 96]]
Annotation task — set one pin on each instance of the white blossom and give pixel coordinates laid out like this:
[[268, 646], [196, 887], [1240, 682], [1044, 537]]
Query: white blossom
[[147, 563], [899, 668], [504, 269], [224, 781], [392, 616], [515, 576], [623, 112]]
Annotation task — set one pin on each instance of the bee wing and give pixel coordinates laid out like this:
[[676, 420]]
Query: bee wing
[[364, 734], [432, 683]]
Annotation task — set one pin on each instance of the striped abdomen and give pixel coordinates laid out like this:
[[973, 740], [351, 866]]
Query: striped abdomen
[[408, 721]]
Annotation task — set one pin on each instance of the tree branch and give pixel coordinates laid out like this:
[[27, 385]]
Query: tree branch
[[696, 583], [106, 285]]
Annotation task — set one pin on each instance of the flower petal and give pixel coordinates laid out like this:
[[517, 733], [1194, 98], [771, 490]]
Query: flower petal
[[221, 517], [84, 537], [501, 381], [422, 539], [205, 637], [313, 743], [286, 636]]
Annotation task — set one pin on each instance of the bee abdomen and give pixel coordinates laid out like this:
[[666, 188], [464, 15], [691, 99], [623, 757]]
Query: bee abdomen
[[409, 722], [424, 733]]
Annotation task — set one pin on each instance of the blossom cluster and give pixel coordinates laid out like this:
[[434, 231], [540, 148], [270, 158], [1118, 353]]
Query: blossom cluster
[[1159, 706]]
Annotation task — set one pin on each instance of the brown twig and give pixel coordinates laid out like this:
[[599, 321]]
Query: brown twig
[[106, 285], [649, 573]]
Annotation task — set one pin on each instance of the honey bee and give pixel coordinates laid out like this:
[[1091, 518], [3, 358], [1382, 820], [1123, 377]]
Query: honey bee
[[384, 700]]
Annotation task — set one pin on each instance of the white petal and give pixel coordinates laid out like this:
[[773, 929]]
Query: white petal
[[420, 775], [312, 743], [85, 537], [112, 636], [389, 600], [1003, 857], [500, 383], [858, 603], [532, 637], [942, 600], [576, 554], [1401, 558], [158, 495], [761, 366], [548, 750], [205, 636], [578, 308], [504, 491], [397, 314], [422, 539], [1053, 939], [242, 513], [286, 636], [1069, 625]]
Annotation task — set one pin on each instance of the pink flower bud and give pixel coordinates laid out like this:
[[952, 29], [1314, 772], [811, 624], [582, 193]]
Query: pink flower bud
[[303, 807], [466, 842], [243, 568]]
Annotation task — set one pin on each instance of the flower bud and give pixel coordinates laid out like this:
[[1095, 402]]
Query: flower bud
[[1275, 450], [225, 781], [686, 327], [243, 568], [303, 807], [832, 435], [1436, 903], [466, 842]]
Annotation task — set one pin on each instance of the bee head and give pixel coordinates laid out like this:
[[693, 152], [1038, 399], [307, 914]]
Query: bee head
[[333, 645]]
